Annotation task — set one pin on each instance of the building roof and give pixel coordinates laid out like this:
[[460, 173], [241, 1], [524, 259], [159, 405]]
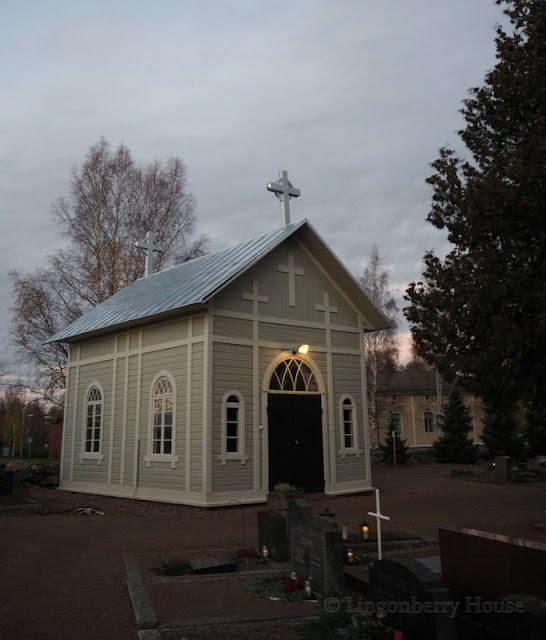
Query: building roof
[[407, 382], [192, 284]]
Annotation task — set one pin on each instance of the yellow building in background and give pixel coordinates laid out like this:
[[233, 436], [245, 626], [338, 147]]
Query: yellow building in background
[[415, 398]]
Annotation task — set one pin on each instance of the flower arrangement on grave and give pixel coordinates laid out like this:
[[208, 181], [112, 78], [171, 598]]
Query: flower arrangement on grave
[[282, 587], [247, 558]]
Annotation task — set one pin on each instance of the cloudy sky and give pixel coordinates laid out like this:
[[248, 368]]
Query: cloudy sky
[[353, 98]]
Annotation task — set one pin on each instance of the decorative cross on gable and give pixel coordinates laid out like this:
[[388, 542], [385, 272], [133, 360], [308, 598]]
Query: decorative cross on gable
[[255, 298], [149, 246], [292, 272], [284, 190], [326, 308]]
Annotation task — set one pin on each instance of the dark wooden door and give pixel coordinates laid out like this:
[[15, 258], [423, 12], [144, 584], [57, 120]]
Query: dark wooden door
[[295, 440]]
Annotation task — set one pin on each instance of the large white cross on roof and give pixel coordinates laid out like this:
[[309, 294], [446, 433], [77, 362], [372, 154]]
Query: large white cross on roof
[[149, 246], [284, 190]]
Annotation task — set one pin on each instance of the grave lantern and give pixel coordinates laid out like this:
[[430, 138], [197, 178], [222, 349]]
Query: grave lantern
[[350, 556], [365, 530], [265, 552]]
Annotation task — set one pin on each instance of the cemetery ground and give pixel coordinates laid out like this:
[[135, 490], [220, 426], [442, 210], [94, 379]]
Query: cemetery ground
[[64, 576]]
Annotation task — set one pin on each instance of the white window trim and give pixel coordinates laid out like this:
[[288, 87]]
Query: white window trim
[[354, 450], [92, 455], [240, 455], [150, 457]]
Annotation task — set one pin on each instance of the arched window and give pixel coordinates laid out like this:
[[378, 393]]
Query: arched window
[[293, 375], [348, 426], [93, 426], [162, 434], [233, 428], [233, 424]]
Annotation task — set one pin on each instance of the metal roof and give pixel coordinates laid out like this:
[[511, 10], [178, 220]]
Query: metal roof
[[195, 282]]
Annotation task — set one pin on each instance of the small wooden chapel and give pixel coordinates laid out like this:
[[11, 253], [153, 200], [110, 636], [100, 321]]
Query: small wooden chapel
[[218, 378]]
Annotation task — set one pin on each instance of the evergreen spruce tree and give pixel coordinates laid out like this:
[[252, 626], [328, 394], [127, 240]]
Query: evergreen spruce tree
[[402, 449], [478, 313], [535, 420], [454, 444], [501, 434]]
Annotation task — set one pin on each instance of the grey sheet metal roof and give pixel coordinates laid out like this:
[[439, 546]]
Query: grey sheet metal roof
[[190, 283], [194, 283]]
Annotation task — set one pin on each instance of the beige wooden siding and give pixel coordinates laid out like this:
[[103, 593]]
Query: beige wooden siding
[[128, 462], [172, 361], [232, 327], [198, 326], [198, 389], [91, 470], [97, 348], [118, 420], [348, 380], [69, 425], [167, 332], [345, 340], [232, 371], [289, 337], [309, 290]]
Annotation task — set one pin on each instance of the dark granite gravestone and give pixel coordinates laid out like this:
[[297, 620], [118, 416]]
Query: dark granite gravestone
[[316, 549], [503, 468], [298, 510], [492, 565], [216, 564], [272, 534], [414, 598], [499, 582]]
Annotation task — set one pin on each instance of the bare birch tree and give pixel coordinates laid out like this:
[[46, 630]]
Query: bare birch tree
[[111, 203], [381, 348]]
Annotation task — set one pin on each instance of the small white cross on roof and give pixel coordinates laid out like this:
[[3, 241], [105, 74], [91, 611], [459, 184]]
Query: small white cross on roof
[[284, 190], [149, 246]]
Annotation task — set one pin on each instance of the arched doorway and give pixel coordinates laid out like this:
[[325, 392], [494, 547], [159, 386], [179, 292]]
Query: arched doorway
[[294, 411]]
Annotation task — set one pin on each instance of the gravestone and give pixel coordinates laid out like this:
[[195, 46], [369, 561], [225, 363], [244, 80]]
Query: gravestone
[[413, 597], [499, 582], [503, 468], [298, 511], [316, 550], [490, 564], [272, 534]]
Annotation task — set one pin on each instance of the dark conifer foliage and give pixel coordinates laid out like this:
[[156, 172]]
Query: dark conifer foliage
[[454, 444], [393, 443], [479, 314]]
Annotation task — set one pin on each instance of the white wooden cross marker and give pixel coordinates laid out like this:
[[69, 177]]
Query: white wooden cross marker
[[149, 246], [255, 298], [292, 272], [378, 516], [284, 190]]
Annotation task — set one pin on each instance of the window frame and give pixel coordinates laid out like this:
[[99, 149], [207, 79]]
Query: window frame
[[425, 415], [240, 438], [347, 403], [93, 455], [152, 456]]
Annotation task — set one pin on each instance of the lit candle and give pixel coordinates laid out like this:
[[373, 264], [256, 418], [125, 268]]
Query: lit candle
[[265, 552], [308, 590], [350, 556]]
